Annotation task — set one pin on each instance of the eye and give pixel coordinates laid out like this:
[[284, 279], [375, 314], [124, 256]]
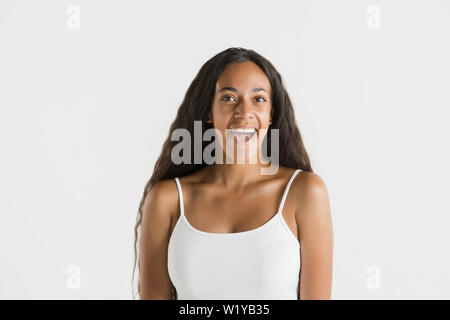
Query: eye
[[263, 100], [224, 98]]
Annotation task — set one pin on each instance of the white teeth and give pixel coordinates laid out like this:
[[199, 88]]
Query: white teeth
[[241, 134], [242, 130]]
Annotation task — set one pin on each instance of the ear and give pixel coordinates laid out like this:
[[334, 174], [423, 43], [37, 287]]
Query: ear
[[209, 120]]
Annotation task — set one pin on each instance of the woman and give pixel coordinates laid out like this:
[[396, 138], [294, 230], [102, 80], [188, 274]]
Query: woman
[[230, 229]]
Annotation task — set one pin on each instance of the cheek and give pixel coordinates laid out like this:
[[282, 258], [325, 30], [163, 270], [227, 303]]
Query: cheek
[[221, 117], [220, 113], [264, 118]]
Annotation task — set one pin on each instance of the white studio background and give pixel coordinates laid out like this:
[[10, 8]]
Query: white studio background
[[88, 90]]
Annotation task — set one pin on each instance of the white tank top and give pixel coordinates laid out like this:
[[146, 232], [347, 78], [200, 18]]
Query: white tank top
[[262, 263]]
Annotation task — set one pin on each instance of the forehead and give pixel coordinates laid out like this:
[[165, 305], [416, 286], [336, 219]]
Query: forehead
[[243, 76]]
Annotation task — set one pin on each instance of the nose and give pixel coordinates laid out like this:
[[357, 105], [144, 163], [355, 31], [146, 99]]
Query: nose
[[243, 110]]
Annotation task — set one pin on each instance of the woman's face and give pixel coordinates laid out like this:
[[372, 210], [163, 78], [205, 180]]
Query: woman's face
[[242, 100]]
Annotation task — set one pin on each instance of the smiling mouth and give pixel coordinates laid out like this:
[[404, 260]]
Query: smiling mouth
[[241, 135]]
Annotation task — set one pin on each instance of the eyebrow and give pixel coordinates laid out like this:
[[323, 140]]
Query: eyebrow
[[235, 90]]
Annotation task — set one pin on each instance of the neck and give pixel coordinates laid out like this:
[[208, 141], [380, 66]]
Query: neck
[[236, 176]]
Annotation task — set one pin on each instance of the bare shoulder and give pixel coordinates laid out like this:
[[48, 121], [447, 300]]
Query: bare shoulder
[[315, 233], [310, 181], [157, 219], [161, 201], [311, 194]]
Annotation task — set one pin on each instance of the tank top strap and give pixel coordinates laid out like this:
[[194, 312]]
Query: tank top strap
[[180, 196], [286, 191]]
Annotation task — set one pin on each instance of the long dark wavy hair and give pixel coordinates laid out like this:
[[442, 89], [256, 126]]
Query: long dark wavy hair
[[195, 106]]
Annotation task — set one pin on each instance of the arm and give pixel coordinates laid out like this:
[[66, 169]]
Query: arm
[[154, 279], [315, 230]]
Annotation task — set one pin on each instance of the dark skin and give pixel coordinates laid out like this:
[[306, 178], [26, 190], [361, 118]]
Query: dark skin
[[229, 198]]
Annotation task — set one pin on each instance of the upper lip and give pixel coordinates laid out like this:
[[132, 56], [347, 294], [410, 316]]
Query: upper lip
[[241, 127]]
